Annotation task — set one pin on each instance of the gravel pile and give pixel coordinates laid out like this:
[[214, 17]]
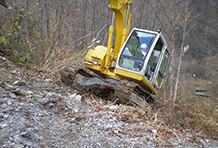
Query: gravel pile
[[35, 111]]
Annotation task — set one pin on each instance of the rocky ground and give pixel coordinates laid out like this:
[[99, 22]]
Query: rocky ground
[[37, 110]]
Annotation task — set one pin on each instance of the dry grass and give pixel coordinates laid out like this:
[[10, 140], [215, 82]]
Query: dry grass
[[54, 61], [193, 112], [201, 114]]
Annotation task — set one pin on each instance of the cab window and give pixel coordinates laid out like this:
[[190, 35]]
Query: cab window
[[136, 50], [163, 69]]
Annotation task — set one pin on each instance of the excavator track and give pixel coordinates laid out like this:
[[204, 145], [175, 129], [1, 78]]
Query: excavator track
[[128, 92], [125, 92], [81, 79]]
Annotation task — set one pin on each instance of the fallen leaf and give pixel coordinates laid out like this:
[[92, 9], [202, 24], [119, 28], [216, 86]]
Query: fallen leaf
[[94, 104], [134, 136], [71, 121], [62, 116], [141, 112], [134, 116], [43, 95], [97, 109]]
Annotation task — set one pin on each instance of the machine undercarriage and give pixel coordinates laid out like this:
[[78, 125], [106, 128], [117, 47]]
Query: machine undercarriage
[[123, 92]]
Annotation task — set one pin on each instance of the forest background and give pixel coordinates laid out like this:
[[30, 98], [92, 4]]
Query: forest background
[[49, 35]]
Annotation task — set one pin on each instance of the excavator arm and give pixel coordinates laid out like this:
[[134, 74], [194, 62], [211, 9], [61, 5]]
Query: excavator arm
[[123, 13], [103, 59]]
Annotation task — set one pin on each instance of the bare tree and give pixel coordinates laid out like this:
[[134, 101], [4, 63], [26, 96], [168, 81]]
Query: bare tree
[[187, 23], [174, 22], [3, 3]]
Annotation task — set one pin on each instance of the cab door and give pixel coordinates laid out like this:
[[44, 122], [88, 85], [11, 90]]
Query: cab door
[[161, 72], [157, 64]]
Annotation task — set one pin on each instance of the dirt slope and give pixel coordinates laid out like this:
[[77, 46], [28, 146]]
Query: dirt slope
[[37, 110]]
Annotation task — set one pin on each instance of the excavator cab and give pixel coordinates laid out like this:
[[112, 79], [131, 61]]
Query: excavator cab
[[145, 55]]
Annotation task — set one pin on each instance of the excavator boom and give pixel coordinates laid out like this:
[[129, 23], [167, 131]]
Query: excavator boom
[[123, 13]]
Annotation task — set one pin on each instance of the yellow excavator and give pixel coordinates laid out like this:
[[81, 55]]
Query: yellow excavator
[[133, 68]]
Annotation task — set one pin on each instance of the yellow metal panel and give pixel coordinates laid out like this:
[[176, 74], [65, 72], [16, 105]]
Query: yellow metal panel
[[128, 74], [120, 8], [140, 78]]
